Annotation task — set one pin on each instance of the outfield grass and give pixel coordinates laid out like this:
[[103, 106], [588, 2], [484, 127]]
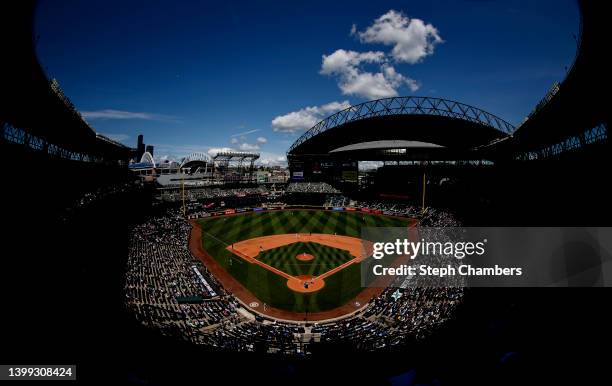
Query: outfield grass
[[219, 232]]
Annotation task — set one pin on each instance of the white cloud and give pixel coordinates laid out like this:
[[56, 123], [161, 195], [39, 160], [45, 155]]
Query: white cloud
[[342, 61], [347, 66], [240, 141], [272, 159], [412, 39], [397, 79], [120, 114], [248, 146], [214, 150], [307, 117]]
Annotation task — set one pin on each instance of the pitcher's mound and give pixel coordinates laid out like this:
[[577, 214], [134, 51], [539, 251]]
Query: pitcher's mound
[[304, 257], [305, 283]]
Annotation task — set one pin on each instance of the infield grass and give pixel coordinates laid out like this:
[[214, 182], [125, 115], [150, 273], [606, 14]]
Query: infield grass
[[219, 232], [284, 258]]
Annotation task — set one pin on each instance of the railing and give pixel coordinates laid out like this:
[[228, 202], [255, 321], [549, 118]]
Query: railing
[[593, 135], [18, 136]]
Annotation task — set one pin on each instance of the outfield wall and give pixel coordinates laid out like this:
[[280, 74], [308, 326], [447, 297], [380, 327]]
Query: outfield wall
[[233, 211]]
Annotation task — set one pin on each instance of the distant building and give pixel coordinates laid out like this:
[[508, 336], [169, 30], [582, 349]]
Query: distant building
[[140, 147]]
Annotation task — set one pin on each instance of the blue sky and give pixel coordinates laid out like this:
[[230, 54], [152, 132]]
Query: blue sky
[[253, 75]]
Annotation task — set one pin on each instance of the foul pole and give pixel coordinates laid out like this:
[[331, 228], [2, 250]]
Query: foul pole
[[423, 200]]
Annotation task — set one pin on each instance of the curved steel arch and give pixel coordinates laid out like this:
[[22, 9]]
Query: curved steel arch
[[410, 105], [196, 157], [147, 158]]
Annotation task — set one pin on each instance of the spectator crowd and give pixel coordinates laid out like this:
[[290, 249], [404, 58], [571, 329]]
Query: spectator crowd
[[168, 289], [311, 187], [194, 194]]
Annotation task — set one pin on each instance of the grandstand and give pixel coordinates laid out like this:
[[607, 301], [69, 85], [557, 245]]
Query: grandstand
[[159, 250]]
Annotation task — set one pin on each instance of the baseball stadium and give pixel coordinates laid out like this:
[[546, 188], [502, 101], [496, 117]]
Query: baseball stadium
[[217, 264]]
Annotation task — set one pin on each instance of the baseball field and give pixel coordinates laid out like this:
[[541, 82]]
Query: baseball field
[[299, 260]]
